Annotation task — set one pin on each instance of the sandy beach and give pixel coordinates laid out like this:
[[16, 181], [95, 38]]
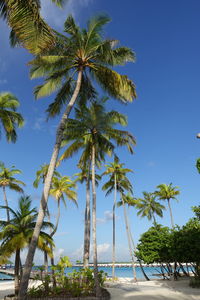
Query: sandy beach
[[124, 288]]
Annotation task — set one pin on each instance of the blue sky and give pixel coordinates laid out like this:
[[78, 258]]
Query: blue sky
[[164, 118]]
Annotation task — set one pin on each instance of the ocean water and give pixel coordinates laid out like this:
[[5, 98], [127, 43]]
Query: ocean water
[[5, 277], [122, 271]]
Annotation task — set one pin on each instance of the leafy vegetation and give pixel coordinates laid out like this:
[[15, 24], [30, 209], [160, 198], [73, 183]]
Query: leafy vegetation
[[79, 283]]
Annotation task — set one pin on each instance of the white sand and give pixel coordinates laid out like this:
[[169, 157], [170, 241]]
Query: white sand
[[7, 287], [125, 288]]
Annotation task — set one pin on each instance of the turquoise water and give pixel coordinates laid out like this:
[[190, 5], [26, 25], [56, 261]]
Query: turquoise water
[[5, 276], [122, 271]]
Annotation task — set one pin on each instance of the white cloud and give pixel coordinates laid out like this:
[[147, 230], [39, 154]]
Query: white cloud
[[39, 123], [151, 164], [56, 16], [103, 252], [108, 215]]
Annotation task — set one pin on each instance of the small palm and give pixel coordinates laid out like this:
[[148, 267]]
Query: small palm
[[9, 118]]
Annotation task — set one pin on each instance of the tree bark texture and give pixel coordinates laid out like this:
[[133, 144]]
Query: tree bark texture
[[113, 250], [45, 194], [129, 241], [86, 253], [6, 203], [96, 278]]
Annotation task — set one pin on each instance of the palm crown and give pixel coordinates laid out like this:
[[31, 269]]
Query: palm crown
[[7, 179], [85, 51], [94, 126], [28, 27], [9, 118], [17, 233], [148, 206], [167, 192]]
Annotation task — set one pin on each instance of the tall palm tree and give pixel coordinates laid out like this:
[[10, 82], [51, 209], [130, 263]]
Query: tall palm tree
[[61, 188], [16, 234], [8, 181], [116, 171], [27, 26], [86, 176], [94, 129], [123, 184], [167, 192], [10, 120], [77, 57], [149, 207]]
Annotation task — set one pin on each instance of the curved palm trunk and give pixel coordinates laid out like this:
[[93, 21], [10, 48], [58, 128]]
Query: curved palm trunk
[[86, 253], [6, 203], [170, 210], [113, 250], [45, 253], [17, 261], [96, 278], [52, 234], [45, 194], [129, 241], [141, 266]]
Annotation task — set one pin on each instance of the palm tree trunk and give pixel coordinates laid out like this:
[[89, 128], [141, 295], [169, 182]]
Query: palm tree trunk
[[17, 260], [154, 220], [96, 278], [172, 223], [113, 250], [6, 203], [46, 262], [170, 210], [129, 241], [52, 234], [86, 253], [47, 186], [134, 248]]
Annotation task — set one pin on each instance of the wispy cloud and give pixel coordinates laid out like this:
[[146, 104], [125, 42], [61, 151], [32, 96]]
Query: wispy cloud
[[103, 251], [108, 215], [151, 164], [56, 16], [39, 123], [3, 81]]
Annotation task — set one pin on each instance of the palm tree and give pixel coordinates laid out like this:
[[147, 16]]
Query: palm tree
[[27, 26], [16, 234], [123, 184], [9, 118], [131, 201], [167, 192], [8, 181], [40, 177], [78, 56], [86, 176], [61, 188], [198, 165], [148, 207], [42, 173], [93, 129], [116, 171]]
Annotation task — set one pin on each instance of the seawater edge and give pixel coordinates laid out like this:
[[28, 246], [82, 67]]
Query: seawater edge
[[123, 270]]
